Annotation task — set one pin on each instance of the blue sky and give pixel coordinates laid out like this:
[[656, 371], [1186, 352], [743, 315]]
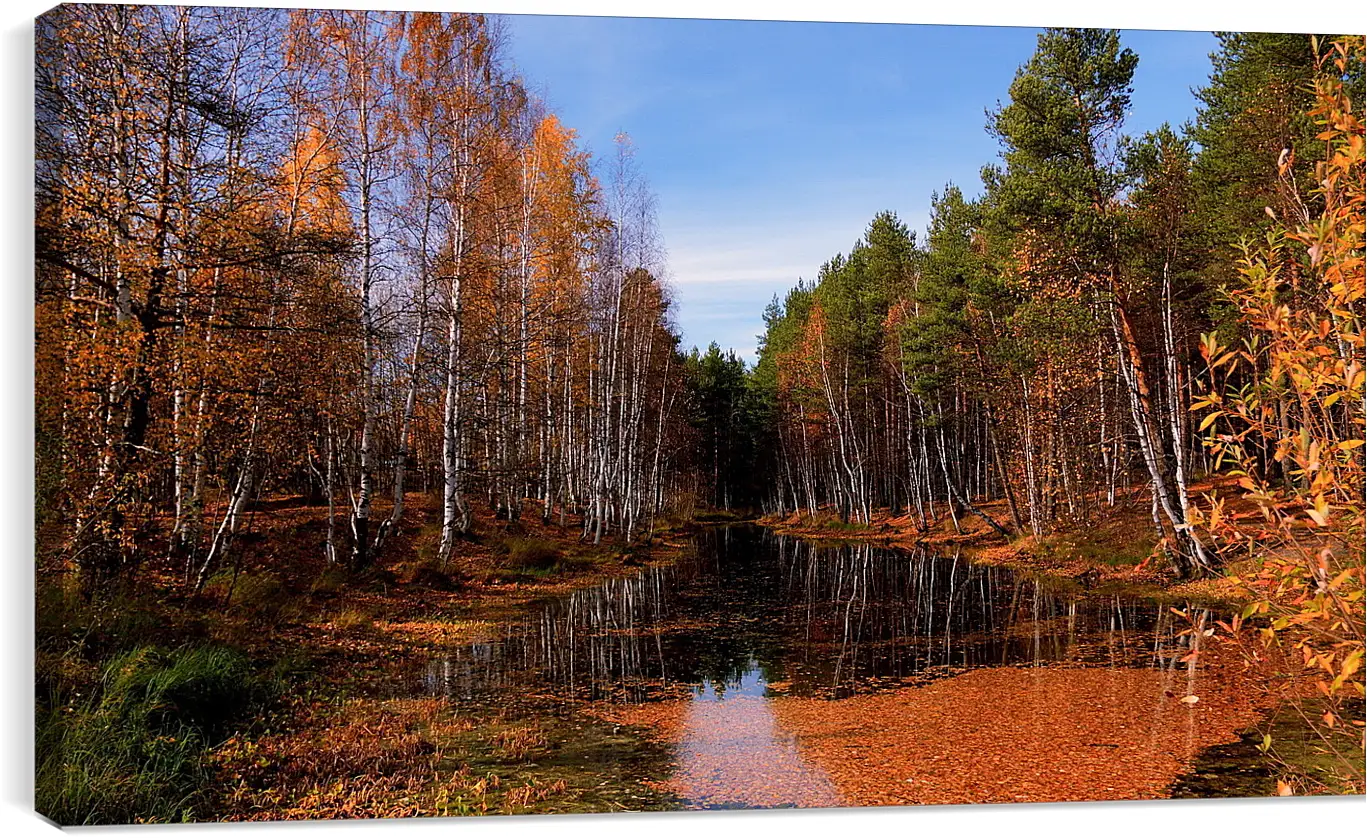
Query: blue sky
[[771, 145]]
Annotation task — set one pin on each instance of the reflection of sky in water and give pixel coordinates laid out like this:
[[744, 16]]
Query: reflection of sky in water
[[727, 636], [734, 754], [751, 683]]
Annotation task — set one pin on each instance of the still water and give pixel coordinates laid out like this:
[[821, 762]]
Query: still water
[[748, 616]]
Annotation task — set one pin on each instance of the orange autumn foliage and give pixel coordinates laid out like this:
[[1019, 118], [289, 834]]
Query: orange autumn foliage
[[1283, 411]]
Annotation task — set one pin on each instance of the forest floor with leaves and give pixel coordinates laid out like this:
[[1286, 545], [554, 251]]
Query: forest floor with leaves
[[355, 745], [408, 605], [346, 734], [1106, 548]]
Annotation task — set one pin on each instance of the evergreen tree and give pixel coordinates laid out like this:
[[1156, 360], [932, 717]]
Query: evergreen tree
[[1256, 105], [1060, 200]]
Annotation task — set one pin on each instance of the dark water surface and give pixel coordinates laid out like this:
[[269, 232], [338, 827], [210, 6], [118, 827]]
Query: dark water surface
[[749, 607], [749, 614]]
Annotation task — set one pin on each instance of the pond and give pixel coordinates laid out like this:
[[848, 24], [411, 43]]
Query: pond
[[784, 672]]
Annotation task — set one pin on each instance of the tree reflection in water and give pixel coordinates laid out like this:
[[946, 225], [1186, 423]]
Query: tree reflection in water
[[805, 619]]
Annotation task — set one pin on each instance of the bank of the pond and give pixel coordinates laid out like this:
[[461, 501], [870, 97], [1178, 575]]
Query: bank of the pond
[[320, 721], [1110, 547], [337, 722], [363, 748]]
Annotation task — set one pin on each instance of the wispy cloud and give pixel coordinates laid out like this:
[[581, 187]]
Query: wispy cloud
[[725, 274], [752, 264], [772, 145]]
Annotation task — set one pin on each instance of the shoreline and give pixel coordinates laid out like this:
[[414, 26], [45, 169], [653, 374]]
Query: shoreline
[[1113, 550], [328, 646], [339, 646]]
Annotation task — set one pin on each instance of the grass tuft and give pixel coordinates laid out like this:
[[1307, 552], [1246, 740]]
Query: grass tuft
[[131, 748], [259, 594], [532, 554], [430, 574], [330, 582], [353, 618]]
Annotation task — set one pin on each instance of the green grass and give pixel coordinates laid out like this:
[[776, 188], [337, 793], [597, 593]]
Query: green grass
[[430, 573], [95, 627], [1286, 746], [354, 618], [837, 525], [600, 764], [131, 747], [330, 582], [260, 594]]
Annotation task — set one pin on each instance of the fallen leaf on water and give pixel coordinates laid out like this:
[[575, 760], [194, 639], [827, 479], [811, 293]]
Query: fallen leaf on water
[[985, 736]]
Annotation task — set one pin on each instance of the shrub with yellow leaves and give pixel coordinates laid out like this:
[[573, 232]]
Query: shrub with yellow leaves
[[1284, 415]]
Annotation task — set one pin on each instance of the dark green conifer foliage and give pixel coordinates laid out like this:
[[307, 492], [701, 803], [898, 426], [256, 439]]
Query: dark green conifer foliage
[[1255, 106]]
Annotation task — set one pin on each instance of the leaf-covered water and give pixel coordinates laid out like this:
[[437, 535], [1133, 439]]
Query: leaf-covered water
[[751, 655]]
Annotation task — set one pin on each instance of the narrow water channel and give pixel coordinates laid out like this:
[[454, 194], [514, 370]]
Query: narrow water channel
[[742, 652]]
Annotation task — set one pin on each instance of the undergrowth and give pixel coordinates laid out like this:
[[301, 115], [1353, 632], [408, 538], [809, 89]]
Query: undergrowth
[[130, 746]]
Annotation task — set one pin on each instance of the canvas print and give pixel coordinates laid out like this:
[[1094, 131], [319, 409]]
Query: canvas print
[[451, 414]]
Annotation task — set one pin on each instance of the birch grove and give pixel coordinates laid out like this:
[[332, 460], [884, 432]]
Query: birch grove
[[349, 256], [341, 255]]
